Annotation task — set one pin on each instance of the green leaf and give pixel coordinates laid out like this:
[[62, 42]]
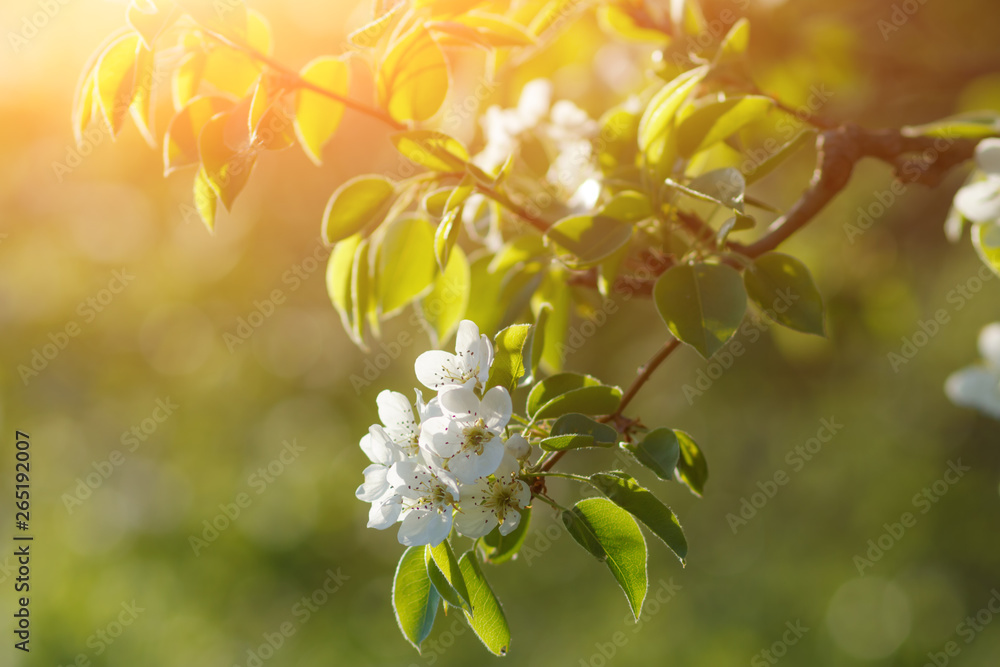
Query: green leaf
[[486, 309], [406, 263], [783, 289], [986, 241], [702, 304], [355, 205], [369, 34], [446, 235], [338, 278], [225, 156], [445, 574], [656, 127], [628, 206], [713, 122], [414, 599], [564, 393], [782, 154], [205, 200], [735, 43], [508, 359], [538, 337], [489, 623], [659, 450], [692, 468], [445, 304], [556, 293], [574, 430], [412, 81], [628, 494], [619, 134], [180, 144], [361, 289], [501, 548], [317, 116], [587, 238], [435, 150], [518, 250], [725, 187], [115, 76], [975, 125], [612, 536]]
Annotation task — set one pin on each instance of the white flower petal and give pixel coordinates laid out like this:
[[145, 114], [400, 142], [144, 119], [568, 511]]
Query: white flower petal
[[475, 521], [510, 522], [517, 447], [441, 437], [522, 495], [975, 387], [988, 156], [533, 105], [979, 201], [989, 344], [422, 527], [496, 408], [508, 465], [384, 514], [460, 404], [376, 485], [467, 338], [378, 447], [437, 369]]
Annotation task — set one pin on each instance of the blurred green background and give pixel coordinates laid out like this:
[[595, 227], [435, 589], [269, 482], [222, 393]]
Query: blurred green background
[[63, 235]]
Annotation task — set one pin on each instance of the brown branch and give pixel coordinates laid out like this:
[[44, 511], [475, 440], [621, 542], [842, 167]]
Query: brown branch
[[645, 371], [378, 114], [916, 159]]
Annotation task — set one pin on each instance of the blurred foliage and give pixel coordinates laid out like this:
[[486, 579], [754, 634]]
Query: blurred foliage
[[64, 234]]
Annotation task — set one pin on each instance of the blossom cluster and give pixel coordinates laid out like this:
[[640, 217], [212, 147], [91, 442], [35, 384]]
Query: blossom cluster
[[445, 463]]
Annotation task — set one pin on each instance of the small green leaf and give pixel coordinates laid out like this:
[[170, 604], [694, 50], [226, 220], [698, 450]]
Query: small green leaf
[[628, 494], [619, 134], [446, 235], [500, 548], [974, 125], [225, 156], [355, 205], [520, 249], [613, 537], [317, 116], [587, 238], [406, 262], [460, 193], [564, 393], [734, 44], [725, 187], [783, 289], [657, 125], [578, 423], [489, 623], [659, 451], [713, 122], [692, 468], [508, 359], [445, 574], [562, 443], [338, 278], [435, 150], [205, 200], [414, 599], [446, 303], [538, 337], [783, 153], [628, 206], [702, 304], [986, 241], [361, 289]]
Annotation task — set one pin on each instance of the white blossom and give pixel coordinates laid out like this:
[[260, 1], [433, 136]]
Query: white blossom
[[978, 386], [979, 201], [376, 489], [489, 503], [467, 436], [469, 367], [427, 498]]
